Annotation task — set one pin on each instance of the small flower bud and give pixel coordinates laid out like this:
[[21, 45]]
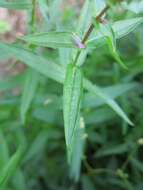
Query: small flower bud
[[78, 42]]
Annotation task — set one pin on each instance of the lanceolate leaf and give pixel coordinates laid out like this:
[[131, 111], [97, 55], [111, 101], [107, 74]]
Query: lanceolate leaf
[[57, 73], [120, 28], [77, 150], [71, 101], [10, 167], [94, 89], [36, 62], [118, 149], [110, 38], [54, 40], [30, 86], [113, 92], [16, 4]]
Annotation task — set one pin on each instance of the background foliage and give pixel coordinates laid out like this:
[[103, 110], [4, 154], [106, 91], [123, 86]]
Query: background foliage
[[101, 97]]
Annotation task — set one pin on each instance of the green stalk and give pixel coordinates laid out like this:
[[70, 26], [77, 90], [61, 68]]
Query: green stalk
[[33, 17], [90, 29]]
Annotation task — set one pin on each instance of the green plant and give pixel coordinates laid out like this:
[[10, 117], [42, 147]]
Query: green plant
[[67, 56]]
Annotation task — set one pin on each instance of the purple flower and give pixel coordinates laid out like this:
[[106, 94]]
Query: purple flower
[[78, 42]]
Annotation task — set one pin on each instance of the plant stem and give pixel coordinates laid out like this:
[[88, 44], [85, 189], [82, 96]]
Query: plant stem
[[87, 34], [33, 18], [90, 29], [98, 19]]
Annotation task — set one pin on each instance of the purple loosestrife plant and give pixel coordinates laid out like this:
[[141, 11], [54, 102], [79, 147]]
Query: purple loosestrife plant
[[62, 55]]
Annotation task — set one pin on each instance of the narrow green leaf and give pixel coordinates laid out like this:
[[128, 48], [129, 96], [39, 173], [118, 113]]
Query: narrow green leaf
[[110, 37], [10, 167], [64, 56], [120, 28], [30, 86], [116, 56], [111, 150], [124, 27], [77, 150], [95, 90], [16, 4], [36, 62], [82, 57], [98, 116], [57, 73], [72, 93], [113, 92], [54, 39]]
